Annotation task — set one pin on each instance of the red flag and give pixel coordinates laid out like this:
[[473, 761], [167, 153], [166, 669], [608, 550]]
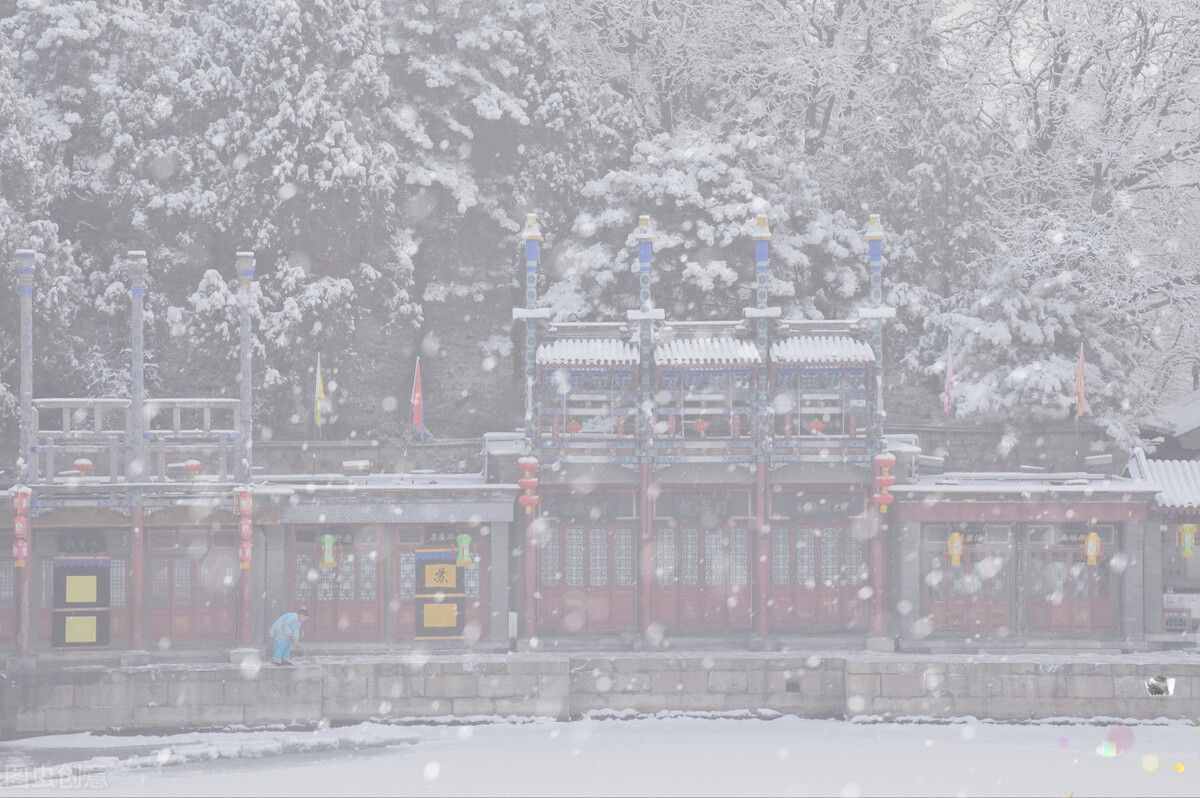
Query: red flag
[[418, 401], [1081, 402]]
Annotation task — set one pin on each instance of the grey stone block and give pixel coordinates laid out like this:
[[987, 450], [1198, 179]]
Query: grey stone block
[[727, 681], [864, 685], [283, 713], [666, 682], [185, 694], [902, 685], [217, 714], [449, 685], [391, 687], [162, 717], [1090, 686], [474, 706], [553, 685]]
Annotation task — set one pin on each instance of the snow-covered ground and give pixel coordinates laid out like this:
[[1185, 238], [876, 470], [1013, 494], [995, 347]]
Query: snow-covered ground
[[676, 756]]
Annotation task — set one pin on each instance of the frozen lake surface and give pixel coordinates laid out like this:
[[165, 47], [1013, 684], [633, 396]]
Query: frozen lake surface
[[676, 756]]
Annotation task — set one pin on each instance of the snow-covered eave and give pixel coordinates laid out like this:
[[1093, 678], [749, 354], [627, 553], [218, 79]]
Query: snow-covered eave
[[1023, 490]]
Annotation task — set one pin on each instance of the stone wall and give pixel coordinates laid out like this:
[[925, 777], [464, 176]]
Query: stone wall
[[170, 697]]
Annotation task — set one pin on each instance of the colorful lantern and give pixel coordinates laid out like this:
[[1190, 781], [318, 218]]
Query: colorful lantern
[[954, 548], [328, 553], [463, 556], [245, 506], [1092, 548], [1187, 540]]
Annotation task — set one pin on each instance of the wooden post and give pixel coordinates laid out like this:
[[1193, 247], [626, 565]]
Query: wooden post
[[137, 577], [761, 552], [645, 586], [245, 509]]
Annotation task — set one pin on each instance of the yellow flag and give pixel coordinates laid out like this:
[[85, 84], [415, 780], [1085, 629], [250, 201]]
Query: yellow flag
[[318, 393]]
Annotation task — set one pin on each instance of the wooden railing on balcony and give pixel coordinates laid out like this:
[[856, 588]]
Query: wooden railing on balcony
[[853, 449], [203, 432], [590, 447], [90, 436]]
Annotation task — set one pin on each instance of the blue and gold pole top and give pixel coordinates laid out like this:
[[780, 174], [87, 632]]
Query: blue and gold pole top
[[25, 260], [246, 265], [643, 237], [874, 237], [533, 237], [762, 235]]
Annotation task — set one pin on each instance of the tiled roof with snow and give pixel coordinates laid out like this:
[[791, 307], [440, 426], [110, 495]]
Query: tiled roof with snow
[[1178, 481], [816, 349], [587, 352], [715, 351]]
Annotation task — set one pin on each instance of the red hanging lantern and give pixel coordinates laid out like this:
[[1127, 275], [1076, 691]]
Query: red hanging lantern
[[20, 547], [884, 479], [528, 483]]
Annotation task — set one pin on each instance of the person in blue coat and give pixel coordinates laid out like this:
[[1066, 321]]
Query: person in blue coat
[[285, 633]]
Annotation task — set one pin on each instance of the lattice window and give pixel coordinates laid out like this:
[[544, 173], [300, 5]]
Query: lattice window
[[856, 560], [550, 574], [8, 582], [326, 582], [781, 555], [408, 574], [345, 578], [183, 583], [576, 558], [664, 556], [806, 559], [471, 581], [598, 558], [623, 560], [160, 583], [367, 571], [831, 556], [117, 583], [304, 586], [689, 559], [716, 558], [739, 568]]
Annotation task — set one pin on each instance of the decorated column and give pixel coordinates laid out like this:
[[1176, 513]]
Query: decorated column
[[245, 270], [21, 561], [22, 543], [883, 462], [531, 315], [762, 425], [645, 316], [245, 511], [135, 466]]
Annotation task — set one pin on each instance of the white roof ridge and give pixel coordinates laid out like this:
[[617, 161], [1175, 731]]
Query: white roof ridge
[[822, 349], [587, 351]]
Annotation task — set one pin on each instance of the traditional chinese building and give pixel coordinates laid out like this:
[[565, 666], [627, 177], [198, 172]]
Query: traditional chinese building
[[676, 482]]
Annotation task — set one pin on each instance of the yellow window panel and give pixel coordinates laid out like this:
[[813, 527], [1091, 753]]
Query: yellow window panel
[[81, 589], [80, 628], [439, 616]]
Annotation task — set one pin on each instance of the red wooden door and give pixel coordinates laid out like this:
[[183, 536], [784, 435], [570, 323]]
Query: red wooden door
[[402, 606], [1064, 595], [816, 578], [342, 594], [586, 577], [975, 597], [701, 579], [193, 588]]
